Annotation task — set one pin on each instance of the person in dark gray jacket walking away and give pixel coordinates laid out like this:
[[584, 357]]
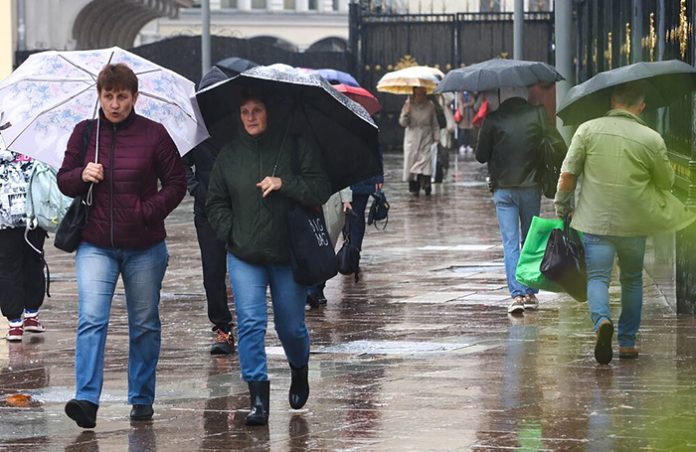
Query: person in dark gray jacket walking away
[[509, 142]]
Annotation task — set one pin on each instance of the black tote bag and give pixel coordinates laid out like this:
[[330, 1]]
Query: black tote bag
[[69, 233], [313, 260], [349, 255], [564, 261]]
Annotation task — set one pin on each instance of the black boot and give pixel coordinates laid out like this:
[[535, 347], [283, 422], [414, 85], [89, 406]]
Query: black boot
[[413, 187], [259, 394], [425, 184], [299, 387], [84, 413]]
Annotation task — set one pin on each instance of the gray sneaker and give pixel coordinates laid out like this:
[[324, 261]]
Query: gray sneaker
[[517, 305], [531, 302]]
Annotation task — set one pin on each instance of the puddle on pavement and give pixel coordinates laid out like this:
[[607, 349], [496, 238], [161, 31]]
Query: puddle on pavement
[[467, 269], [366, 347]]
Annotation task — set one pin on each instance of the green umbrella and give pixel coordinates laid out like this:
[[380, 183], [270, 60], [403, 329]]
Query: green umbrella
[[664, 81]]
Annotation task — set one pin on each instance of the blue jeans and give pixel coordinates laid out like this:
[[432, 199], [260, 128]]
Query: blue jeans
[[249, 284], [142, 272], [515, 207], [357, 221], [599, 259]]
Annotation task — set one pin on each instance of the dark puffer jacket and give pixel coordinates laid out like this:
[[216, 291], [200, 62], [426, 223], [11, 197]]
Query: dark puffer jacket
[[128, 210]]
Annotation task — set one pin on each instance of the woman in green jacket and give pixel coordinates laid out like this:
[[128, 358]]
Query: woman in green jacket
[[255, 181]]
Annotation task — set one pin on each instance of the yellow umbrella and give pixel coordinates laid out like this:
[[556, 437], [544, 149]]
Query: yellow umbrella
[[404, 80]]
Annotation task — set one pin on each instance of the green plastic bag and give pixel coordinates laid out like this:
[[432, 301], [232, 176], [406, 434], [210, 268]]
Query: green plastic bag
[[528, 267]]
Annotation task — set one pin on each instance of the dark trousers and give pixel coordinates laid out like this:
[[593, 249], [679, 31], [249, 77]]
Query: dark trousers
[[214, 260], [357, 221], [22, 280]]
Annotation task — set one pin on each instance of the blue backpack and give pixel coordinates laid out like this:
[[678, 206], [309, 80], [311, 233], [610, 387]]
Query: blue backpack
[[45, 204]]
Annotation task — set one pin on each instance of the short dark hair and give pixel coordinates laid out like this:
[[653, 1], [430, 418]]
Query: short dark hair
[[117, 76], [629, 94]]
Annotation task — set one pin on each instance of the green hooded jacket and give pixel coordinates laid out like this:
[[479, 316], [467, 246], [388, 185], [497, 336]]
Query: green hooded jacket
[[255, 228]]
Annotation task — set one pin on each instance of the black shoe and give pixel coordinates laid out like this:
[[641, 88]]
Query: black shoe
[[259, 394], [84, 413], [314, 300], [141, 412], [602, 351], [224, 344], [299, 387]]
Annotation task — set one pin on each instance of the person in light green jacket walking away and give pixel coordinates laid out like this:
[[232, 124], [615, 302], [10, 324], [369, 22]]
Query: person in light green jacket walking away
[[624, 197]]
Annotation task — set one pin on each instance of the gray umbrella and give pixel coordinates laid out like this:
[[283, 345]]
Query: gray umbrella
[[664, 82], [498, 73]]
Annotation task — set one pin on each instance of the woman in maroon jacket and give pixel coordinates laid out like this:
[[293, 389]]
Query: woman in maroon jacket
[[126, 156]]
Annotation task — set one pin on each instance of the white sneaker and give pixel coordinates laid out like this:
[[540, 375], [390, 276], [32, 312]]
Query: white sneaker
[[517, 305]]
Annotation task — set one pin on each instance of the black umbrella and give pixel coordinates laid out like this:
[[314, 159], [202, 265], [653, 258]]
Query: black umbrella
[[664, 82], [234, 65], [341, 128], [498, 73]]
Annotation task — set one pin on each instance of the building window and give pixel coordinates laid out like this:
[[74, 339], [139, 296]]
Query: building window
[[258, 4], [539, 5], [289, 5], [334, 5], [228, 4], [312, 5], [490, 6]]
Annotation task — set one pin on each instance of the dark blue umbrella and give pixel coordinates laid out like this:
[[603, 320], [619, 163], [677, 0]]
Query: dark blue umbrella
[[336, 77], [663, 83]]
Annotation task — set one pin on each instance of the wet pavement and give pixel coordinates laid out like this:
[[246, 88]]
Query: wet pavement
[[418, 355]]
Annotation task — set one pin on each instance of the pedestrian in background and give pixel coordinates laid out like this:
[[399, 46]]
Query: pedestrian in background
[[198, 164], [361, 196], [22, 280], [464, 118], [419, 118], [624, 198], [509, 142], [250, 215], [124, 236]]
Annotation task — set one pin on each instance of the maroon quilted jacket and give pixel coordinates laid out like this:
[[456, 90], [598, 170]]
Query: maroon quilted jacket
[[128, 210]]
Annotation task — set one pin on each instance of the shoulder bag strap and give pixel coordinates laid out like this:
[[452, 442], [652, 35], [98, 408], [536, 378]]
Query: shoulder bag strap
[[85, 144]]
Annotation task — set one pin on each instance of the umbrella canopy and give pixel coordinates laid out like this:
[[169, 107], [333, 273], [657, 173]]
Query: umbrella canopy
[[234, 65], [404, 80], [664, 82], [337, 77], [361, 96], [498, 73], [52, 91], [341, 128]]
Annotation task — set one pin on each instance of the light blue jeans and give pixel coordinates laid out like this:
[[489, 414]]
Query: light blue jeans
[[249, 283], [515, 208], [599, 259], [142, 272]]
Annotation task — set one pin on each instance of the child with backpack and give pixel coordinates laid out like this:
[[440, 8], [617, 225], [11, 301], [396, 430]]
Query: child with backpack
[[22, 281]]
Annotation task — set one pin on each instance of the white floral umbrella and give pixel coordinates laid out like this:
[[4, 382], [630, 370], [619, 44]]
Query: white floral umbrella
[[52, 91]]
